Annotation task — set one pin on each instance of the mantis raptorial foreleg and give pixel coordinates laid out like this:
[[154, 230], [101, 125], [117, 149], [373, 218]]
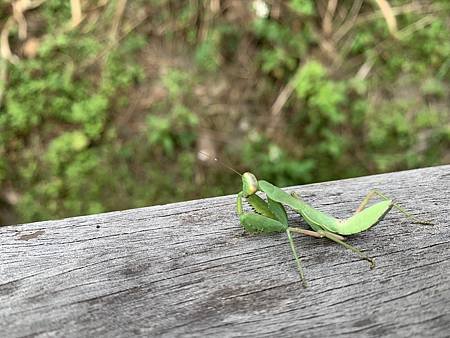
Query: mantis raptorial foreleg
[[270, 217]]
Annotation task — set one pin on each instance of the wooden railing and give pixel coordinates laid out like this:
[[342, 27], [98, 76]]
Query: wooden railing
[[188, 269]]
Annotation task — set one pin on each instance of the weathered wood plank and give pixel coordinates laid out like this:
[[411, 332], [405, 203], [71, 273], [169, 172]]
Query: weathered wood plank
[[186, 269]]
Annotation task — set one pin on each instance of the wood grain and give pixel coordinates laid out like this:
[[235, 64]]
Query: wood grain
[[187, 269]]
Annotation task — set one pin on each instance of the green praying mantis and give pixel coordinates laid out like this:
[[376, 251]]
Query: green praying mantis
[[270, 216]]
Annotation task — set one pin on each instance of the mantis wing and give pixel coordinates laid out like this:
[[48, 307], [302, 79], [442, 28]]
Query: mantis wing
[[318, 220]]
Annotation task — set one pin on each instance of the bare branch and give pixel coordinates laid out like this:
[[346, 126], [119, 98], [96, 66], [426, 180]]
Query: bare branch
[[327, 22], [389, 16], [349, 22], [120, 9], [5, 50], [77, 14]]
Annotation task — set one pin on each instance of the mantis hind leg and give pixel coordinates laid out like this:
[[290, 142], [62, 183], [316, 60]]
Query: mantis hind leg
[[336, 239], [376, 193]]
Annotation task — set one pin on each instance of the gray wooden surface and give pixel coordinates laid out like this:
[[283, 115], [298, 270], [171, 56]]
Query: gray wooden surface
[[187, 269]]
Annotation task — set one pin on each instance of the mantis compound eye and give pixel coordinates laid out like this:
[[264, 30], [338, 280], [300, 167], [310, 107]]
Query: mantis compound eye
[[249, 184]]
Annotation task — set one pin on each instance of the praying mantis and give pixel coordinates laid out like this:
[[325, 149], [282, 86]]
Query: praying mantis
[[270, 216]]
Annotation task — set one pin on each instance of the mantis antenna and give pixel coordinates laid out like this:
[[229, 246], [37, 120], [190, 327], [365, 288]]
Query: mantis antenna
[[220, 162]]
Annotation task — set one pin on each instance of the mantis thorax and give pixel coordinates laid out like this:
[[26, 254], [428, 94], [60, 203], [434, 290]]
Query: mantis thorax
[[249, 184]]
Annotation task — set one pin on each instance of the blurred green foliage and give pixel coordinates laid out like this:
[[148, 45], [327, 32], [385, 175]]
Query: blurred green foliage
[[111, 114]]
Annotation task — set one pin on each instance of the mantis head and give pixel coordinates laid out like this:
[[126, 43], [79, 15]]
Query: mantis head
[[249, 184]]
